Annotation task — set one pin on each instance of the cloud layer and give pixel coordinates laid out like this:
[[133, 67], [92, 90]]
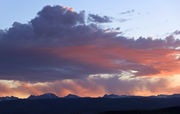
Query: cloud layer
[[58, 44], [99, 19]]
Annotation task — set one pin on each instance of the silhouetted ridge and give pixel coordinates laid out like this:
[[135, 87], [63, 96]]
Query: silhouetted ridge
[[114, 96], [70, 96], [44, 96], [73, 104], [8, 98]]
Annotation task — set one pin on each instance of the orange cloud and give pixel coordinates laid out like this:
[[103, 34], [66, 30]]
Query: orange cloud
[[164, 61], [69, 9]]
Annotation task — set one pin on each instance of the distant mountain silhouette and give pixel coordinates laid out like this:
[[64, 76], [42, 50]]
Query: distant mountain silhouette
[[8, 98], [71, 96], [166, 96], [108, 104], [126, 96], [44, 96], [114, 96], [111, 96], [175, 95]]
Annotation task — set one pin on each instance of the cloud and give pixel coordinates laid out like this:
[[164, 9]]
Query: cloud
[[123, 20], [57, 51], [177, 32], [128, 12], [99, 19], [51, 20], [57, 44], [93, 87]]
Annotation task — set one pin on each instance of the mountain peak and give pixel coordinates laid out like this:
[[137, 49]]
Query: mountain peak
[[48, 94], [114, 96], [71, 96], [44, 96], [8, 98]]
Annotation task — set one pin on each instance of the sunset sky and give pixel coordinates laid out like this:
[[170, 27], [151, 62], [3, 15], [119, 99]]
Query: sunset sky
[[89, 48]]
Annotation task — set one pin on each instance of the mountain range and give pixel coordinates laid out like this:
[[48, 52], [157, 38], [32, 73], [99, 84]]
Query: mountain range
[[49, 103], [71, 96]]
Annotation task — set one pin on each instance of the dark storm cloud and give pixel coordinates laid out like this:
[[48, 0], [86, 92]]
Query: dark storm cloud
[[54, 26], [23, 46], [41, 65], [99, 19], [52, 20], [58, 44]]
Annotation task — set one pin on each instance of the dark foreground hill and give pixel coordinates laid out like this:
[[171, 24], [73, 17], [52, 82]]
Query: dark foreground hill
[[91, 106], [171, 110]]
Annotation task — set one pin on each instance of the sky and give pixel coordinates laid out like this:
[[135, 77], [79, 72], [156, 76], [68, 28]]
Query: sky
[[89, 48], [155, 18]]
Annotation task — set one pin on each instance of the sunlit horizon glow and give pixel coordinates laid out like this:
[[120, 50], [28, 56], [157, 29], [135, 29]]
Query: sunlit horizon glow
[[24, 89], [66, 51]]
